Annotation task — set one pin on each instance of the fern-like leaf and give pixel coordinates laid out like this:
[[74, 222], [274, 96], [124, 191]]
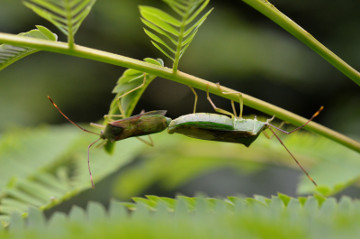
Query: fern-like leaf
[[10, 54], [172, 35], [197, 218], [43, 167], [67, 15]]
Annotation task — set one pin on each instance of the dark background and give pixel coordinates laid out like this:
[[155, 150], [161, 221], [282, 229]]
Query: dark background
[[236, 46]]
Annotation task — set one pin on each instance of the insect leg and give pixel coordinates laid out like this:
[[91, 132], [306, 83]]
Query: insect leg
[[134, 89], [268, 136], [114, 116], [150, 142], [241, 103], [122, 112], [196, 98], [307, 122], [271, 136], [297, 162], [91, 178], [216, 108]]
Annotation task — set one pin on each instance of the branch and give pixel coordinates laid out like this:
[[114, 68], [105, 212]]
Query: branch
[[270, 11]]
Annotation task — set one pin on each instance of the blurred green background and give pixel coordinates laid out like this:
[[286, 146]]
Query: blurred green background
[[236, 46]]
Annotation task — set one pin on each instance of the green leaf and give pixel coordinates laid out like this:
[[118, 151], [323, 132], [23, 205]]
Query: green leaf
[[117, 211], [95, 212], [128, 81], [171, 35], [77, 214], [16, 222], [10, 54], [36, 219], [67, 15]]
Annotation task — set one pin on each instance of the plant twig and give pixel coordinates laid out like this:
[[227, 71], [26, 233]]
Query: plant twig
[[269, 10]]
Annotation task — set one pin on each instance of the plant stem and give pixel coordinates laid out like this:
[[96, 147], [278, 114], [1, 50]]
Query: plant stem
[[269, 10], [180, 77]]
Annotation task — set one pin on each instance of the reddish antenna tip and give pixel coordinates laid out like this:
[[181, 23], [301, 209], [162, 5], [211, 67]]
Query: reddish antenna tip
[[53, 103], [50, 99], [317, 113]]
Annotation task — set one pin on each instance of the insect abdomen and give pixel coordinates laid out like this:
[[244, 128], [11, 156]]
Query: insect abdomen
[[217, 128]]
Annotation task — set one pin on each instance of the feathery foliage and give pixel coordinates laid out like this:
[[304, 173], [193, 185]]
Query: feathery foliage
[[173, 35], [67, 15], [45, 166], [197, 217], [10, 54]]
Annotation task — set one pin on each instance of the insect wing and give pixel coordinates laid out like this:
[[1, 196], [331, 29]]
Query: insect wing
[[155, 112], [125, 122]]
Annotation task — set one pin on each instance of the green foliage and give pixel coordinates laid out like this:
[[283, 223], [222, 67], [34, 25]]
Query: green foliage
[[173, 35], [67, 15], [197, 217], [130, 80], [43, 167], [10, 54]]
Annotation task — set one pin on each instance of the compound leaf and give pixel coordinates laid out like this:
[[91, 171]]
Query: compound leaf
[[10, 54], [172, 35], [66, 15]]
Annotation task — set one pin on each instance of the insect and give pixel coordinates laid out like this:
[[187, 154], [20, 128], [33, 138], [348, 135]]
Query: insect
[[144, 123], [234, 129]]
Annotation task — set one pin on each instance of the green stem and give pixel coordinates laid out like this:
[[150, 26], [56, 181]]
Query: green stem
[[69, 24], [180, 40], [269, 10], [183, 78]]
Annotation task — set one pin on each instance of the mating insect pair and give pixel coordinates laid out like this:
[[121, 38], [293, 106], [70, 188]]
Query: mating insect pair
[[207, 126]]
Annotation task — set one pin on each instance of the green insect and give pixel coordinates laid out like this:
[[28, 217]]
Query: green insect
[[145, 123], [234, 129]]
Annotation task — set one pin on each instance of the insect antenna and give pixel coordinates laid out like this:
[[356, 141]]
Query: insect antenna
[[85, 130], [292, 131], [297, 162], [307, 122]]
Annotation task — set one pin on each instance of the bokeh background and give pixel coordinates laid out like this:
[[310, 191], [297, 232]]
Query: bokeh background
[[236, 46]]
